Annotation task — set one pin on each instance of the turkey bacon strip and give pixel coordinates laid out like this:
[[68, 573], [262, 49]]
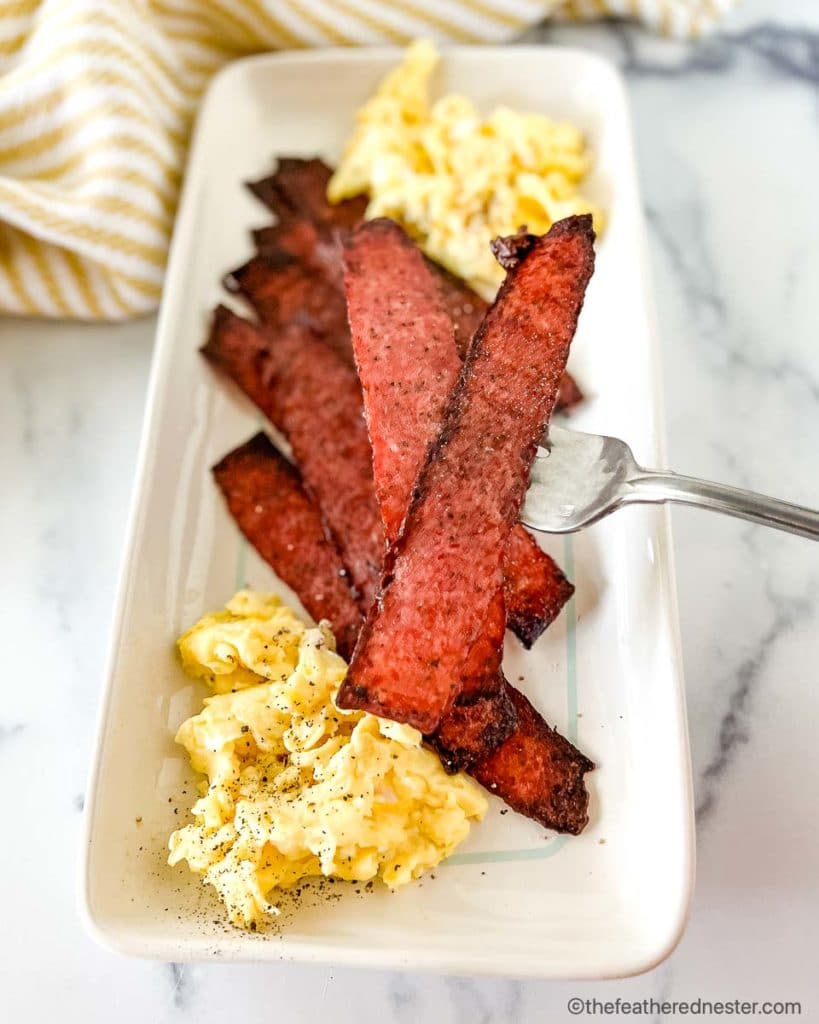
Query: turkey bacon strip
[[444, 570], [283, 291], [308, 392], [404, 344], [266, 497], [468, 309], [537, 772], [298, 188]]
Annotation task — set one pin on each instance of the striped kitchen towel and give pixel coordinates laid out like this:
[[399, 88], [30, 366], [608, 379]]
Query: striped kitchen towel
[[97, 99]]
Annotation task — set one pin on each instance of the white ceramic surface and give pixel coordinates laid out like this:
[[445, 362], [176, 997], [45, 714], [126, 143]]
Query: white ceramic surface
[[514, 900]]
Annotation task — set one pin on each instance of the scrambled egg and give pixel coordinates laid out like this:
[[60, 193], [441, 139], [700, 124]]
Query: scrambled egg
[[454, 180], [295, 787]]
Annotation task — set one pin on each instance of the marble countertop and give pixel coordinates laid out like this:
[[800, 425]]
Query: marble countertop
[[728, 149]]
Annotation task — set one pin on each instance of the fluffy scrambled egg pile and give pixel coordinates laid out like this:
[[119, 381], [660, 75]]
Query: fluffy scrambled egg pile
[[454, 180], [295, 787]]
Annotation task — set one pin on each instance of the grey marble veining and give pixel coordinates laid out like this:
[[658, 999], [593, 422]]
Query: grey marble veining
[[728, 151]]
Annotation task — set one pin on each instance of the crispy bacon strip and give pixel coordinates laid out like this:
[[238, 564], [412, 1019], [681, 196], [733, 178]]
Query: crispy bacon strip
[[535, 588], [305, 390], [284, 292], [298, 188], [468, 309], [316, 247], [297, 237], [407, 362], [442, 573], [538, 772], [266, 497], [472, 729], [404, 346]]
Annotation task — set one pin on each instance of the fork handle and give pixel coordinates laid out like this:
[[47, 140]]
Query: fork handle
[[652, 487]]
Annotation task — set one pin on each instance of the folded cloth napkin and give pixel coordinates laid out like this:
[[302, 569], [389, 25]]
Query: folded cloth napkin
[[97, 99]]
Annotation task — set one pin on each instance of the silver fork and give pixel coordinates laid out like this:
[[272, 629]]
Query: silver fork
[[580, 478]]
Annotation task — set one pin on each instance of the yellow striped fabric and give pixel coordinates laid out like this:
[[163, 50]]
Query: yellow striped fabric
[[97, 99]]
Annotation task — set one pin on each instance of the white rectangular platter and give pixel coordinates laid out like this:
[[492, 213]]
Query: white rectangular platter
[[514, 900]]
